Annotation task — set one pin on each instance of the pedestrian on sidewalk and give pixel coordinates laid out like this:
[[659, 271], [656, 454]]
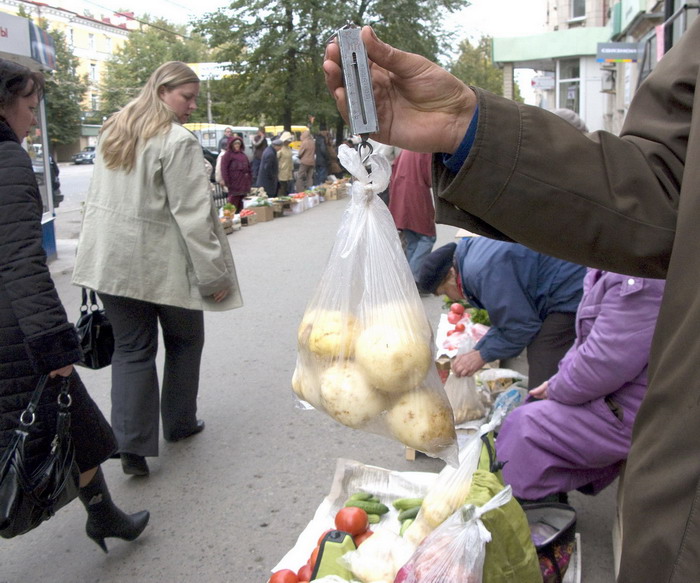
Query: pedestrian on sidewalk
[[236, 173], [307, 162], [268, 176], [411, 206], [285, 163], [153, 248], [37, 339]]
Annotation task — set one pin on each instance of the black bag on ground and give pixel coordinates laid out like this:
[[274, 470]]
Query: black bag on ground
[[95, 332], [29, 496], [553, 531]]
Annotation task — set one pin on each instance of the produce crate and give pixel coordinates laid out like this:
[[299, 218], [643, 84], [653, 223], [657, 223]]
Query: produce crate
[[263, 213]]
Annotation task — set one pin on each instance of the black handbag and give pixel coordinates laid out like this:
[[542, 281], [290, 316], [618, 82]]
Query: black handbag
[[29, 496], [95, 333]]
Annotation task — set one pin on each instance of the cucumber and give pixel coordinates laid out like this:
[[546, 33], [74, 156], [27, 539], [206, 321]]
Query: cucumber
[[373, 518], [404, 526], [361, 496], [408, 513], [406, 503], [369, 507]]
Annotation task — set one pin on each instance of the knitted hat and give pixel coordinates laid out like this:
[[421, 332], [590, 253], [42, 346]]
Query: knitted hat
[[435, 268]]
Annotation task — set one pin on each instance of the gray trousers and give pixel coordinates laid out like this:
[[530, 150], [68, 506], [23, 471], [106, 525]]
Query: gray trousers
[[552, 342], [135, 394]]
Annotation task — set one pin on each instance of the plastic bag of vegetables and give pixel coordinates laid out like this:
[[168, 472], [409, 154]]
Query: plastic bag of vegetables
[[456, 551], [365, 346]]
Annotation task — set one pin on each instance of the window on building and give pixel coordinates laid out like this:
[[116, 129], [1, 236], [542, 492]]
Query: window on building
[[108, 44], [569, 94], [578, 8], [93, 101], [71, 40], [93, 72], [91, 42]]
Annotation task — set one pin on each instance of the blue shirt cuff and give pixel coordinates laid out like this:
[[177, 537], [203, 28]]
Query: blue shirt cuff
[[454, 162]]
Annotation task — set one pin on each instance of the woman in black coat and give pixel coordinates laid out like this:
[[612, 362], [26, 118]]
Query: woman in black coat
[[35, 335]]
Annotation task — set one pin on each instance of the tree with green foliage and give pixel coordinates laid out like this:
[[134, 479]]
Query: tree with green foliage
[[143, 52], [276, 49], [474, 66], [65, 91]]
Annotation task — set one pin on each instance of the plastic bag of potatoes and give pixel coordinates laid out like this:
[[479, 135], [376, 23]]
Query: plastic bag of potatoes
[[365, 346]]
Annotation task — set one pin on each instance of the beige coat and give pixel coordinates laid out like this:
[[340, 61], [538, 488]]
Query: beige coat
[[153, 234], [629, 205], [285, 164]]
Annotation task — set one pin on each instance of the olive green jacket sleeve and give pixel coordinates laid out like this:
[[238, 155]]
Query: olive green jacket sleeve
[[595, 199]]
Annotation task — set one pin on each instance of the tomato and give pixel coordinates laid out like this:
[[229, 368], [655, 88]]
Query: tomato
[[352, 520], [360, 538], [314, 557], [453, 317], [284, 576], [304, 573], [457, 308], [320, 538], [459, 327]]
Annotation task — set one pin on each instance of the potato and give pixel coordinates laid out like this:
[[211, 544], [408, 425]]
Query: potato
[[306, 385], [348, 397], [328, 333], [394, 359], [422, 420]]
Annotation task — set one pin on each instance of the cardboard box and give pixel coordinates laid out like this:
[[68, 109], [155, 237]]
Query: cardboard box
[[263, 213], [249, 220]]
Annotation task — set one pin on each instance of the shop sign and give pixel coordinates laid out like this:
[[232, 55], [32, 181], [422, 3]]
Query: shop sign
[[21, 39], [618, 52], [543, 82], [213, 71]]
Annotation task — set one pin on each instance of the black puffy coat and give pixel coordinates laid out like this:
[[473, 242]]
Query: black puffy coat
[[35, 334]]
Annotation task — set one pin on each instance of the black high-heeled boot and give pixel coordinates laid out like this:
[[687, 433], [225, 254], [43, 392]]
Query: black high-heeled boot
[[104, 518]]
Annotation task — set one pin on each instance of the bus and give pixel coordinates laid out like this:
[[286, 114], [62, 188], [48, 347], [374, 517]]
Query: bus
[[209, 135], [271, 131]]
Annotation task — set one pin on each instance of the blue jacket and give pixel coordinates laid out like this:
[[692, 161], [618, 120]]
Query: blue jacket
[[518, 287]]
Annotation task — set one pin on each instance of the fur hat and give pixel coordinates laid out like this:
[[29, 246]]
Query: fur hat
[[435, 268]]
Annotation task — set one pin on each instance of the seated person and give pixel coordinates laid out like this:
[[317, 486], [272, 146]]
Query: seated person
[[531, 299], [579, 434]]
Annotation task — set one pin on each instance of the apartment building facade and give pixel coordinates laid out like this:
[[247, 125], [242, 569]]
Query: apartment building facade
[[567, 58], [93, 40]]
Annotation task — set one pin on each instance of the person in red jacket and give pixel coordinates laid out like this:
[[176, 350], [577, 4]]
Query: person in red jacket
[[411, 205], [236, 172]]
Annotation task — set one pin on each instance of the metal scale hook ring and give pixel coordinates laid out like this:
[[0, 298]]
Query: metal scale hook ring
[[365, 146]]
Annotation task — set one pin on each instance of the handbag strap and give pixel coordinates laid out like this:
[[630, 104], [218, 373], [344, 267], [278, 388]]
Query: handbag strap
[[84, 306], [28, 416]]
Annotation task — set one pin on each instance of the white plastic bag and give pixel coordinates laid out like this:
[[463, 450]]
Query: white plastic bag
[[452, 486], [365, 346], [456, 550], [462, 392]]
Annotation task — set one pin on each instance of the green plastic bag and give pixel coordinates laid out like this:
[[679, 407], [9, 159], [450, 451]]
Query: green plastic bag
[[510, 555]]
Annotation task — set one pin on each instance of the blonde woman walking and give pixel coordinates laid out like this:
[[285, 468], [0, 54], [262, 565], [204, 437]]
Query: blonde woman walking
[[152, 246]]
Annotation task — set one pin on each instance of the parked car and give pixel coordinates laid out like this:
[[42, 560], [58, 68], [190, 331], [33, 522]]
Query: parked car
[[86, 156]]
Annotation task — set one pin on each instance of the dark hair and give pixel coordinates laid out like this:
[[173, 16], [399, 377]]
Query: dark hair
[[15, 82]]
